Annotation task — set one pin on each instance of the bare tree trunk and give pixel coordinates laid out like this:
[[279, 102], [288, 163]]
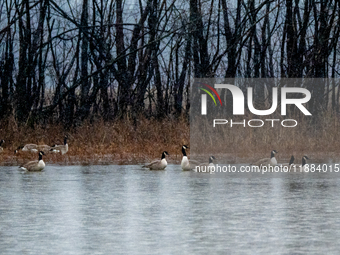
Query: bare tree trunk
[[85, 85], [232, 38], [21, 92], [6, 69]]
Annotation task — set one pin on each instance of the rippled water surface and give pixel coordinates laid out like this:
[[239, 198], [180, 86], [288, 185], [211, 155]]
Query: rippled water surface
[[128, 210]]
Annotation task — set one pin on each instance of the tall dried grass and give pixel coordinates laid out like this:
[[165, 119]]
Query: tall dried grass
[[100, 142], [320, 139], [123, 142]]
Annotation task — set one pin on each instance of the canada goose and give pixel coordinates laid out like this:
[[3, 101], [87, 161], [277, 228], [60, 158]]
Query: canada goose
[[158, 164], [61, 148], [1, 142], [31, 147], [53, 150], [206, 167], [267, 161], [290, 164], [34, 165], [301, 167], [18, 149], [45, 148], [187, 164]]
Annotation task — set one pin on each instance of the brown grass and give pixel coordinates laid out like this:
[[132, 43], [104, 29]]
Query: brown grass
[[119, 142], [320, 140]]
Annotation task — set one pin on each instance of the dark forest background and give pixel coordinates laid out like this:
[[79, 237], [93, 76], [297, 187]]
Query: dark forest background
[[71, 61]]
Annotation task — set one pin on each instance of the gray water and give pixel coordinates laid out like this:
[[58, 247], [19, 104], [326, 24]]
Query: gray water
[[128, 210]]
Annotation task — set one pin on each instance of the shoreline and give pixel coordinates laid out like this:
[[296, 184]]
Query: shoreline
[[140, 159], [121, 143]]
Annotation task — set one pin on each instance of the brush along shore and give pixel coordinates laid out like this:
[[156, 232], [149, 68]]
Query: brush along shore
[[122, 142]]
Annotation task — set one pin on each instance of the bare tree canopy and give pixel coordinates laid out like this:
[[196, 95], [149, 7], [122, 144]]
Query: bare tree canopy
[[68, 61]]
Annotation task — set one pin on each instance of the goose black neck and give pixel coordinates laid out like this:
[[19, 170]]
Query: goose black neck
[[304, 161], [1, 142], [272, 155], [163, 155], [65, 141], [291, 161], [210, 160], [40, 156], [183, 151]]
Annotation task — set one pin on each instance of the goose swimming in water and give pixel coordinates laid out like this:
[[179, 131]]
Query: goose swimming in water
[[187, 164], [205, 167], [267, 161], [34, 166], [301, 167], [158, 164], [290, 164]]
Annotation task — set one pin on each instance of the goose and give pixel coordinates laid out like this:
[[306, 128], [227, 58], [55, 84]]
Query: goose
[[187, 164], [31, 147], [158, 164], [301, 167], [1, 148], [205, 167], [18, 149], [34, 165], [290, 164], [267, 161], [44, 148], [61, 148], [53, 150]]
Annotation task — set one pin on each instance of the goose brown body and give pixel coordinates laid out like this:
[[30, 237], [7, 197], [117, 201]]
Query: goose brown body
[[267, 161], [34, 166], [158, 164], [60, 148]]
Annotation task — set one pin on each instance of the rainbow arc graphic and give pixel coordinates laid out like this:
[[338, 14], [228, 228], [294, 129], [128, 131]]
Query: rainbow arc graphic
[[209, 93]]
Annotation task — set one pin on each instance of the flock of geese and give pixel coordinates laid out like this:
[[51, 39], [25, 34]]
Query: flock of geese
[[39, 165], [45, 148], [188, 165], [273, 162], [161, 164]]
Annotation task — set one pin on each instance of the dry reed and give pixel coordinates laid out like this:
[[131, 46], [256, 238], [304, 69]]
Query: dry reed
[[320, 139], [119, 142]]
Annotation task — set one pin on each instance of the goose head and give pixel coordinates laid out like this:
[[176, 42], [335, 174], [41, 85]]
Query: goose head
[[41, 153], [17, 149], [304, 160], [272, 154], [184, 147], [165, 153], [211, 159]]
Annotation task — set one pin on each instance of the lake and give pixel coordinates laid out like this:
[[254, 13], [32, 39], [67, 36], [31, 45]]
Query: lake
[[122, 209]]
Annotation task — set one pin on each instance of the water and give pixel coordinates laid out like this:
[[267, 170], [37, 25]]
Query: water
[[128, 210]]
